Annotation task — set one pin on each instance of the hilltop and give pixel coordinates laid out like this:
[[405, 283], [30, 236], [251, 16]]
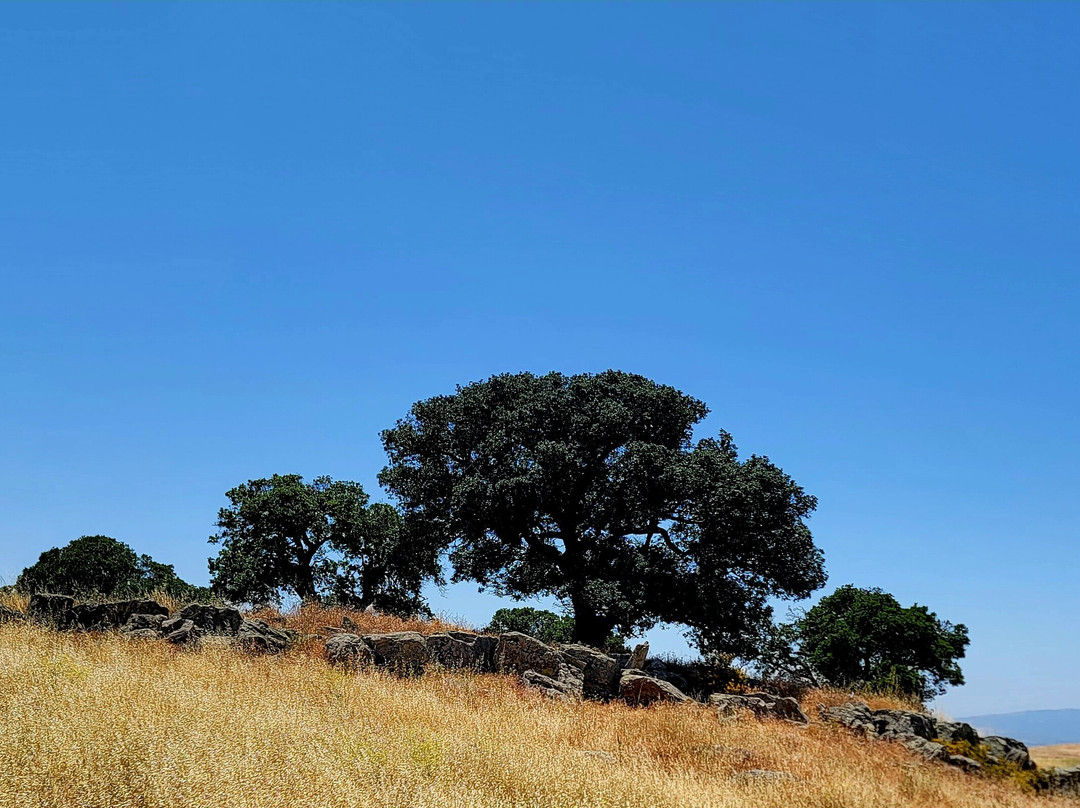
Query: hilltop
[[93, 719]]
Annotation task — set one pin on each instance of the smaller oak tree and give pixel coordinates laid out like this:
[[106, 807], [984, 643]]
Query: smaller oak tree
[[865, 638], [318, 540]]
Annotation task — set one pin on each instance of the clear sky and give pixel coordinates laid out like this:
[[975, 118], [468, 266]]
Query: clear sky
[[238, 240]]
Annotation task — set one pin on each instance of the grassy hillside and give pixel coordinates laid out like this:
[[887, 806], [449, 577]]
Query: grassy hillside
[[95, 720], [1062, 754]]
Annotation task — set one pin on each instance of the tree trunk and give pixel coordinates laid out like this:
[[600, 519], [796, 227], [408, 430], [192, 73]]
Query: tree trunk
[[590, 627]]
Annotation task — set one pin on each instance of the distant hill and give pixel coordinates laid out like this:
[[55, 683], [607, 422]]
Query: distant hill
[[1033, 727]]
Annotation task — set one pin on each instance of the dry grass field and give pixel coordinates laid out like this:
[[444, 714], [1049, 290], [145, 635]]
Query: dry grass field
[[1064, 755], [96, 721]]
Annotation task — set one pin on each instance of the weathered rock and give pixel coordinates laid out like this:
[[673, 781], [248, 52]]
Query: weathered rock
[[1064, 781], [897, 724], [965, 763], [55, 610], [111, 615], [549, 686], [348, 624], [762, 705], [457, 650], [10, 615], [258, 636], [638, 688], [600, 671], [142, 634], [402, 651], [659, 669], [213, 619], [1008, 749], [854, 715], [143, 622], [517, 653], [956, 731], [921, 746], [638, 657], [179, 631], [763, 776], [348, 650]]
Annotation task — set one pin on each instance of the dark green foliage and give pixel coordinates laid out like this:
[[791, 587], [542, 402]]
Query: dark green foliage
[[865, 638], [590, 488], [104, 567], [540, 623], [316, 540]]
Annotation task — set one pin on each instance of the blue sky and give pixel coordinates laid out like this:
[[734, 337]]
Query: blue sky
[[241, 239]]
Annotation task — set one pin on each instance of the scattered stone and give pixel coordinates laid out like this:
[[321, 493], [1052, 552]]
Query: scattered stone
[[405, 652], [213, 619], [348, 650], [54, 610], [763, 776], [763, 705], [638, 688], [1008, 749], [600, 671], [518, 653], [638, 657], [258, 636]]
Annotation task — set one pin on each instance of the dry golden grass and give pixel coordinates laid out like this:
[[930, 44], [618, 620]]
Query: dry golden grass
[[1062, 754], [96, 721]]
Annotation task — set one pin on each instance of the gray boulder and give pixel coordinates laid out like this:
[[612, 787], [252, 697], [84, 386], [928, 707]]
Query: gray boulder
[[965, 763], [404, 652], [517, 653], [53, 610], [1064, 781], [930, 750], [956, 731], [259, 637], [456, 651], [854, 715], [763, 705], [638, 657], [112, 614], [1008, 749], [142, 634], [897, 724], [213, 619], [179, 631], [600, 672], [143, 622], [549, 686], [638, 688], [348, 650]]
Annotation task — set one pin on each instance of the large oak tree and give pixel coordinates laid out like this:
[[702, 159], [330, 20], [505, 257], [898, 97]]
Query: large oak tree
[[592, 488]]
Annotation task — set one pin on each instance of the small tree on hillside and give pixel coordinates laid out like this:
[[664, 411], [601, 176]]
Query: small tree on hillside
[[590, 488], [865, 638], [316, 540]]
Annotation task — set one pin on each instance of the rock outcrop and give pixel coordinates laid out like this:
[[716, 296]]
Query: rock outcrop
[[404, 652], [600, 672], [926, 736], [763, 705], [349, 650], [638, 688], [258, 636], [208, 619]]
